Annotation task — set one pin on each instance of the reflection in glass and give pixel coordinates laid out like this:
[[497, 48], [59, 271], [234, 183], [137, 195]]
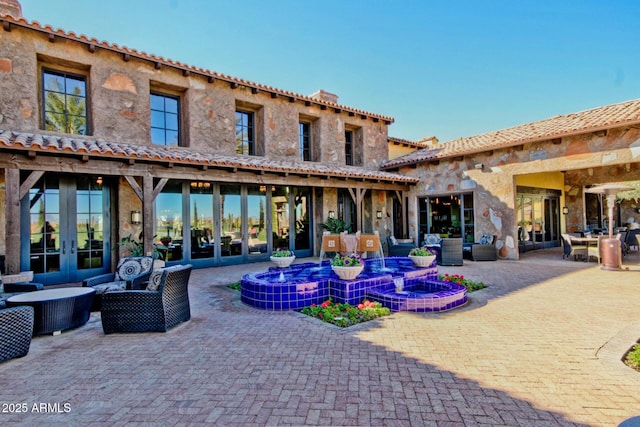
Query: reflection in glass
[[257, 231], [280, 216], [44, 198], [169, 220], [302, 208], [201, 223], [231, 220], [89, 223]]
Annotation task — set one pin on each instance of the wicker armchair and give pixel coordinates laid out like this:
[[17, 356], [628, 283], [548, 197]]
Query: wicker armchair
[[164, 303], [16, 329], [399, 249], [131, 273], [450, 252]]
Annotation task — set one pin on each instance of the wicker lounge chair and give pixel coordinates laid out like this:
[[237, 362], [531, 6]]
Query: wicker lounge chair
[[164, 303], [131, 273], [485, 250], [16, 329]]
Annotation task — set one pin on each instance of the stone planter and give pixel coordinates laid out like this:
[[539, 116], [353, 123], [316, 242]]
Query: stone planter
[[422, 261], [347, 273], [282, 261]]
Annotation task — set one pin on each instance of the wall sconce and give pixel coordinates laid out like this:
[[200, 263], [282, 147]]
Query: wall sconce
[[136, 217], [332, 214], [565, 210], [379, 214]]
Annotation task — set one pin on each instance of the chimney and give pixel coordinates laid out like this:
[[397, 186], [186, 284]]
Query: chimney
[[321, 95], [11, 8]]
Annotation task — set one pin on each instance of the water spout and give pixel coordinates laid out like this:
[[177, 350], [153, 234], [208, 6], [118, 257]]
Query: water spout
[[399, 282], [281, 277]]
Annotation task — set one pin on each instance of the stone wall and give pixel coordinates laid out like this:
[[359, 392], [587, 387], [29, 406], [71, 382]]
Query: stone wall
[[586, 159]]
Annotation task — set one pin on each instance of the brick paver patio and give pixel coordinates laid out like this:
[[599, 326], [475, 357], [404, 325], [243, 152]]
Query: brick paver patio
[[540, 347]]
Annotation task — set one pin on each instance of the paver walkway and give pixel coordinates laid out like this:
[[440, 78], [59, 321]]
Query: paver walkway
[[540, 347]]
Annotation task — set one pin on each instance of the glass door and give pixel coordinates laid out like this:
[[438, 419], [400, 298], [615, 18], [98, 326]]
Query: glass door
[[67, 236], [301, 225], [230, 222], [256, 226]]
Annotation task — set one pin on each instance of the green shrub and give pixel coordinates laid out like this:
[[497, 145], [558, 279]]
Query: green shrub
[[633, 357]]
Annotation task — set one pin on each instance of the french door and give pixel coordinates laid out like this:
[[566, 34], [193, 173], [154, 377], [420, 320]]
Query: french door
[[65, 230]]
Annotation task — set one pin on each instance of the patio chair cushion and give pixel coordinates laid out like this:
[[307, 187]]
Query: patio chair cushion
[[486, 239], [111, 286], [131, 267], [154, 280], [432, 240], [393, 239]]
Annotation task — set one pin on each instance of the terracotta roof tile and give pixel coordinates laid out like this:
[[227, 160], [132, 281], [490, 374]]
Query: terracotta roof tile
[[35, 25], [56, 145], [625, 113]]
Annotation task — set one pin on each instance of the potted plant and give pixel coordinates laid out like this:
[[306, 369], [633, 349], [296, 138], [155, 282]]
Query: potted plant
[[335, 226], [282, 258], [422, 257], [347, 267]]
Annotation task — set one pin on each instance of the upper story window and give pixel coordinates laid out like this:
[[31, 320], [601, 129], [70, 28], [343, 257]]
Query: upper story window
[[64, 98], [245, 139], [165, 119], [348, 147], [305, 141]]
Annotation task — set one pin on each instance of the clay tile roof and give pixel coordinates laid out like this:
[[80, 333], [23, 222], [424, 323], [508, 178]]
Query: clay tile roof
[[610, 116], [400, 141], [70, 35], [56, 145]]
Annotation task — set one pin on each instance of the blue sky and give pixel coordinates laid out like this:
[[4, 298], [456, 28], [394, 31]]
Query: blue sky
[[443, 68]]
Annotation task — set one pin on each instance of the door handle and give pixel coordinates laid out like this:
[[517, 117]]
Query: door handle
[[64, 247], [73, 242]]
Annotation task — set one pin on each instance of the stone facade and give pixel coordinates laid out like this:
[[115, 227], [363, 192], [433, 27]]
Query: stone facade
[[584, 159]]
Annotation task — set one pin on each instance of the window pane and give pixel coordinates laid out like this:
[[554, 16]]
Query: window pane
[[171, 105], [75, 86], [53, 82], [157, 119], [157, 136], [171, 121], [172, 138], [157, 102]]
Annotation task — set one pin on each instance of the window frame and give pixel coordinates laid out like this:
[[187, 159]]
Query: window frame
[[65, 74], [305, 141], [165, 113], [349, 155], [250, 142]]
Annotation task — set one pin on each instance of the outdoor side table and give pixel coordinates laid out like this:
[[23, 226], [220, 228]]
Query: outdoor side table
[[56, 309]]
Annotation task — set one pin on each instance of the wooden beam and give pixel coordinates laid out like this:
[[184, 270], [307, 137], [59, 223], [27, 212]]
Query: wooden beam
[[12, 220], [148, 200], [157, 65], [6, 26], [126, 57], [158, 189], [254, 90], [91, 48], [233, 85], [273, 95], [211, 79], [29, 183], [186, 73], [134, 186], [52, 38]]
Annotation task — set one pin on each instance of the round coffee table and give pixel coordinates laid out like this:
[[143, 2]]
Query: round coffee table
[[56, 309]]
